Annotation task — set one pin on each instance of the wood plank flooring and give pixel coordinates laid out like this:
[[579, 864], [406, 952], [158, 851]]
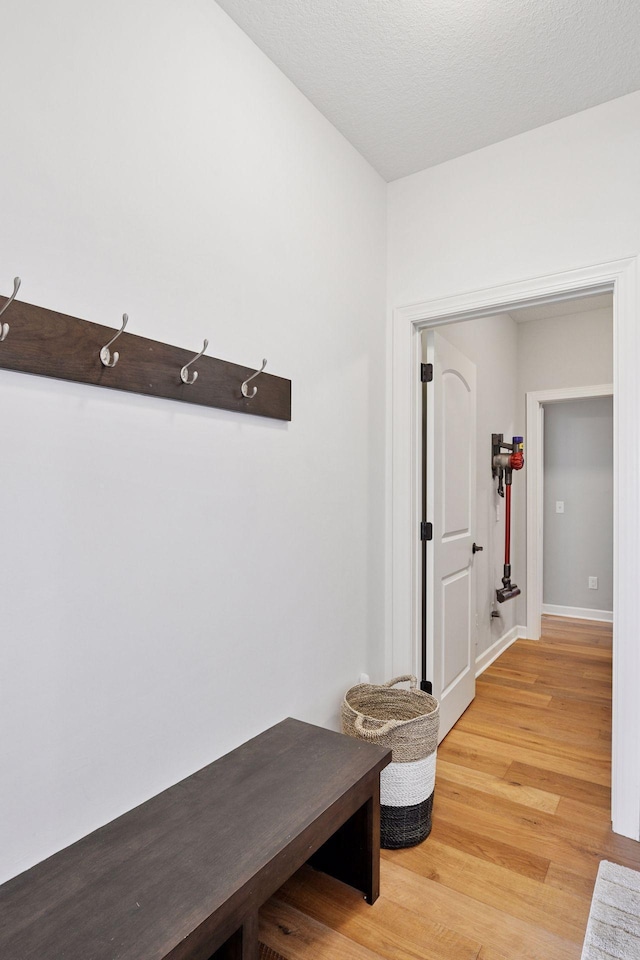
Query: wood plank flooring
[[521, 820]]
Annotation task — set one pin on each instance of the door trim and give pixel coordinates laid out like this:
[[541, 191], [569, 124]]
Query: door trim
[[404, 470], [534, 434]]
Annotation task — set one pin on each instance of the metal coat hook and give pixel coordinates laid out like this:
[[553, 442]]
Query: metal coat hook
[[184, 373], [105, 353], [4, 327], [245, 389]]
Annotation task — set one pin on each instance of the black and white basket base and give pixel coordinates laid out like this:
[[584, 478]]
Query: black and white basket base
[[405, 826], [406, 802]]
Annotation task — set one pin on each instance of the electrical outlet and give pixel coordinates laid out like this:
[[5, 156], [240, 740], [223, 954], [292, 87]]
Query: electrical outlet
[[559, 506], [593, 583]]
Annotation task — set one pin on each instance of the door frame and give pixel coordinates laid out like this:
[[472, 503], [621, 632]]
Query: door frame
[[535, 401], [619, 277]]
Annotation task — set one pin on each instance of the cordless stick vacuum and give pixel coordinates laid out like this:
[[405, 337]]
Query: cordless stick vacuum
[[505, 458]]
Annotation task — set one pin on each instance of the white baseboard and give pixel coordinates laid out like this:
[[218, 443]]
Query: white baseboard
[[486, 659], [578, 613]]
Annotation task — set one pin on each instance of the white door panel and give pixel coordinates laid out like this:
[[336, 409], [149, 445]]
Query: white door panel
[[453, 423], [451, 501], [455, 619]]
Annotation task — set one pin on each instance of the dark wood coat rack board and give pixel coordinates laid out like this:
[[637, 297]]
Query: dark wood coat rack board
[[51, 344]]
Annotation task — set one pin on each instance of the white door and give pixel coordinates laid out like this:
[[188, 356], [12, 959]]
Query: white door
[[451, 508]]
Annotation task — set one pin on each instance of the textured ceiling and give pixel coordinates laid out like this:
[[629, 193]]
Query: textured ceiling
[[412, 83]]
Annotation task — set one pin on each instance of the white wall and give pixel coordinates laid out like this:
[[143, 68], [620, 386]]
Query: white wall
[[175, 579], [578, 470], [575, 350], [491, 343], [559, 197]]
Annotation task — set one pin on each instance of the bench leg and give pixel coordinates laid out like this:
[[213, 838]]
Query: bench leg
[[352, 854], [243, 944]]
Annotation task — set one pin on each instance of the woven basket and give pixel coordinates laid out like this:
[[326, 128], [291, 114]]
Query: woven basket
[[407, 722]]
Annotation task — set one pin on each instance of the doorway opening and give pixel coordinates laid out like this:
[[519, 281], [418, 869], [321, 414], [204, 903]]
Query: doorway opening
[[578, 509], [484, 380], [540, 504], [619, 278]]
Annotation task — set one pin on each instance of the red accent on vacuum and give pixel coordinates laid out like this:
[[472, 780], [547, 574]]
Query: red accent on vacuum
[[507, 525]]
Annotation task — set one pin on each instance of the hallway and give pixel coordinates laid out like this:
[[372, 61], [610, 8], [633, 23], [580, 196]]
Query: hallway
[[521, 820]]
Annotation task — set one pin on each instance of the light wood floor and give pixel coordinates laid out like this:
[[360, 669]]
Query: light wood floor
[[521, 820]]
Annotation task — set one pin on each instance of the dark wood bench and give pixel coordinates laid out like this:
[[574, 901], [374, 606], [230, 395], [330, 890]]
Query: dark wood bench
[[183, 875]]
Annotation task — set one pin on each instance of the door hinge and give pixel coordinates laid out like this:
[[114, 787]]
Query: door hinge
[[426, 530], [426, 372]]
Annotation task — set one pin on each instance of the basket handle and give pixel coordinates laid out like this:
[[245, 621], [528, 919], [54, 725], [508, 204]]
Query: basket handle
[[406, 676], [368, 734]]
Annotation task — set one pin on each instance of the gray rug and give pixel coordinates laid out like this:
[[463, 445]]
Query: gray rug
[[613, 930]]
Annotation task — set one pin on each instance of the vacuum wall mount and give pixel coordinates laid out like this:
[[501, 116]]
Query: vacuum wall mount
[[505, 458]]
